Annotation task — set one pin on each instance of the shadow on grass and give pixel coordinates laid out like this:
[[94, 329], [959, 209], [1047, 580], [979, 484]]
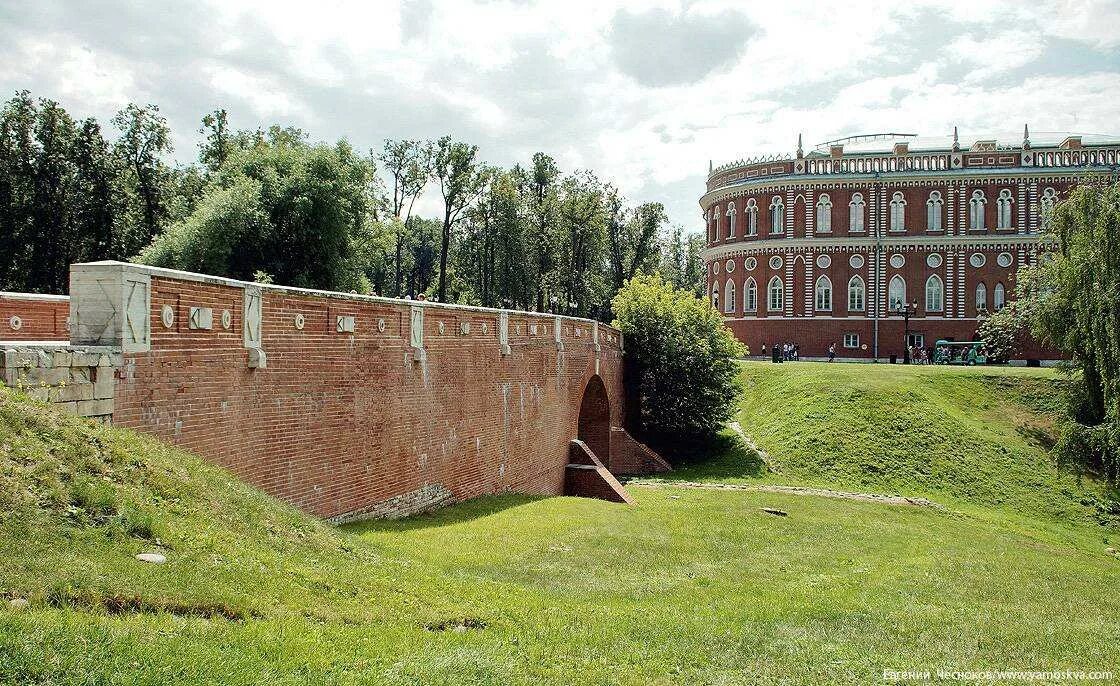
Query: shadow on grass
[[466, 511], [721, 457]]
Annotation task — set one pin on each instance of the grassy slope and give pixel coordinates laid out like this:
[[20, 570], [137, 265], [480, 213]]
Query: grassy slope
[[972, 438], [686, 587]]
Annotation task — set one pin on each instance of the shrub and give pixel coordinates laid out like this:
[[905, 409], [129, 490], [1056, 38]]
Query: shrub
[[681, 357]]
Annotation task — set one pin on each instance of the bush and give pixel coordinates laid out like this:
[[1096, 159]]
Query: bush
[[682, 358]]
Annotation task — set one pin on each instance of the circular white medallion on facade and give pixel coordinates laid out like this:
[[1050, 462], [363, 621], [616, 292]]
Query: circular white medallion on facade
[[933, 260], [15, 322], [227, 319], [300, 320], [715, 267], [856, 261], [824, 261], [729, 266], [380, 326], [775, 262], [485, 327], [977, 259], [750, 263], [1004, 259], [167, 316], [897, 261]]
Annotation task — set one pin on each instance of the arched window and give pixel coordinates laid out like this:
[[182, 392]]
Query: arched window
[[731, 220], [976, 210], [1003, 209], [824, 214], [898, 212], [999, 297], [750, 296], [716, 213], [1049, 199], [896, 293], [824, 294], [855, 212], [752, 217], [981, 296], [933, 211], [775, 295], [777, 215], [729, 297], [935, 292], [856, 291], [715, 294]]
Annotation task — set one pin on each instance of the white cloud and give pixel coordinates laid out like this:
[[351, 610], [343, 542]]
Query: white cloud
[[517, 77]]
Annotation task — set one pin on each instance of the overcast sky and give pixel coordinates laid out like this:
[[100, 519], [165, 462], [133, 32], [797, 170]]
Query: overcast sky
[[644, 94]]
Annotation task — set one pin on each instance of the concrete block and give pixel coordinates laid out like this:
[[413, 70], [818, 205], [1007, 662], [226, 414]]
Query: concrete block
[[61, 358], [84, 359], [93, 408], [40, 393], [105, 385], [79, 375], [71, 393], [16, 357], [71, 408]]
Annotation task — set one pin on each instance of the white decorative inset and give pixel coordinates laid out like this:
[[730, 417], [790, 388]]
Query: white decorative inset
[[897, 261], [416, 326], [533, 329], [442, 328], [824, 261], [345, 323], [380, 326], [15, 322], [200, 318], [503, 333], [227, 319], [933, 260], [300, 320], [977, 259], [464, 327], [856, 261], [1004, 259], [775, 262], [167, 316], [252, 316], [750, 263], [729, 266]]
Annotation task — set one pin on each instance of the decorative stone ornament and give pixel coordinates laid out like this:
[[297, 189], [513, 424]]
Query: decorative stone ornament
[[167, 316], [503, 333], [227, 319], [750, 263], [557, 330], [485, 327], [299, 321], [252, 316], [442, 328], [416, 333], [533, 329], [464, 327], [856, 261], [977, 259], [15, 322], [729, 266], [824, 261], [933, 260], [345, 324], [897, 261], [775, 262], [381, 325], [1004, 259], [200, 318]]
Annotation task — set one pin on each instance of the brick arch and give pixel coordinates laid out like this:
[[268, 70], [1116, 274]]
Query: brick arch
[[594, 426]]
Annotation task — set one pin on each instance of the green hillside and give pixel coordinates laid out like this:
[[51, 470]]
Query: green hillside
[[963, 436], [686, 587]]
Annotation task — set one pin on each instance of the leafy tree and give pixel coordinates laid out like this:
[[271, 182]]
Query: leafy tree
[[292, 210], [218, 141], [408, 164], [461, 183], [145, 139], [633, 237], [681, 357]]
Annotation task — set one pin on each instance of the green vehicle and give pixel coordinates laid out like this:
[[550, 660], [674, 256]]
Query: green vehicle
[[960, 352]]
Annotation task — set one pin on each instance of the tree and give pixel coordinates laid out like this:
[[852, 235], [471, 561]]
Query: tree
[[408, 164], [145, 139], [218, 142], [681, 357], [461, 183], [1072, 297], [283, 207], [632, 237]]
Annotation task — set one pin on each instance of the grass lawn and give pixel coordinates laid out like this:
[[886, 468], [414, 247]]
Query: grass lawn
[[686, 587]]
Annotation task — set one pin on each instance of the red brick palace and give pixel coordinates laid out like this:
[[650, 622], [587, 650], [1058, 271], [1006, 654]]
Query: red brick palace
[[830, 246]]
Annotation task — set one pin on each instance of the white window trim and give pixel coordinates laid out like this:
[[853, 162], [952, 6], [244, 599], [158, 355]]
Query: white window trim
[[898, 203], [826, 292], [857, 279], [854, 337], [934, 278], [781, 290]]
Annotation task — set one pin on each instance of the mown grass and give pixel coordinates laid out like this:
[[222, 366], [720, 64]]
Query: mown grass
[[686, 587]]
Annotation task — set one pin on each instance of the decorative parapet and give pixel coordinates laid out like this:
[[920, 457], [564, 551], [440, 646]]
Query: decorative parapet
[[109, 305]]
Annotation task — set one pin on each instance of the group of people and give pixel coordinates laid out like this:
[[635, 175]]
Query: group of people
[[782, 352], [919, 355]]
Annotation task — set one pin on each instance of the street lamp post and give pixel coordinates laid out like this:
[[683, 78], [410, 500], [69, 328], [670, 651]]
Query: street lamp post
[[906, 310]]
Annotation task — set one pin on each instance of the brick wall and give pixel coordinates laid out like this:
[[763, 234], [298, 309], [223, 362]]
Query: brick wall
[[34, 317], [358, 405]]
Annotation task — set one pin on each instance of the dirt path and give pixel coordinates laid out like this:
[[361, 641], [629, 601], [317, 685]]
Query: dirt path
[[789, 490]]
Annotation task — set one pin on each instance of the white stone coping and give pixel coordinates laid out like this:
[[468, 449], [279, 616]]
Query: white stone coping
[[51, 346], [9, 295], [163, 272], [938, 241]]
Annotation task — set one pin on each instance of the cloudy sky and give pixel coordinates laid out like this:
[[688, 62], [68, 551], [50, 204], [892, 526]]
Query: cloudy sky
[[645, 94]]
